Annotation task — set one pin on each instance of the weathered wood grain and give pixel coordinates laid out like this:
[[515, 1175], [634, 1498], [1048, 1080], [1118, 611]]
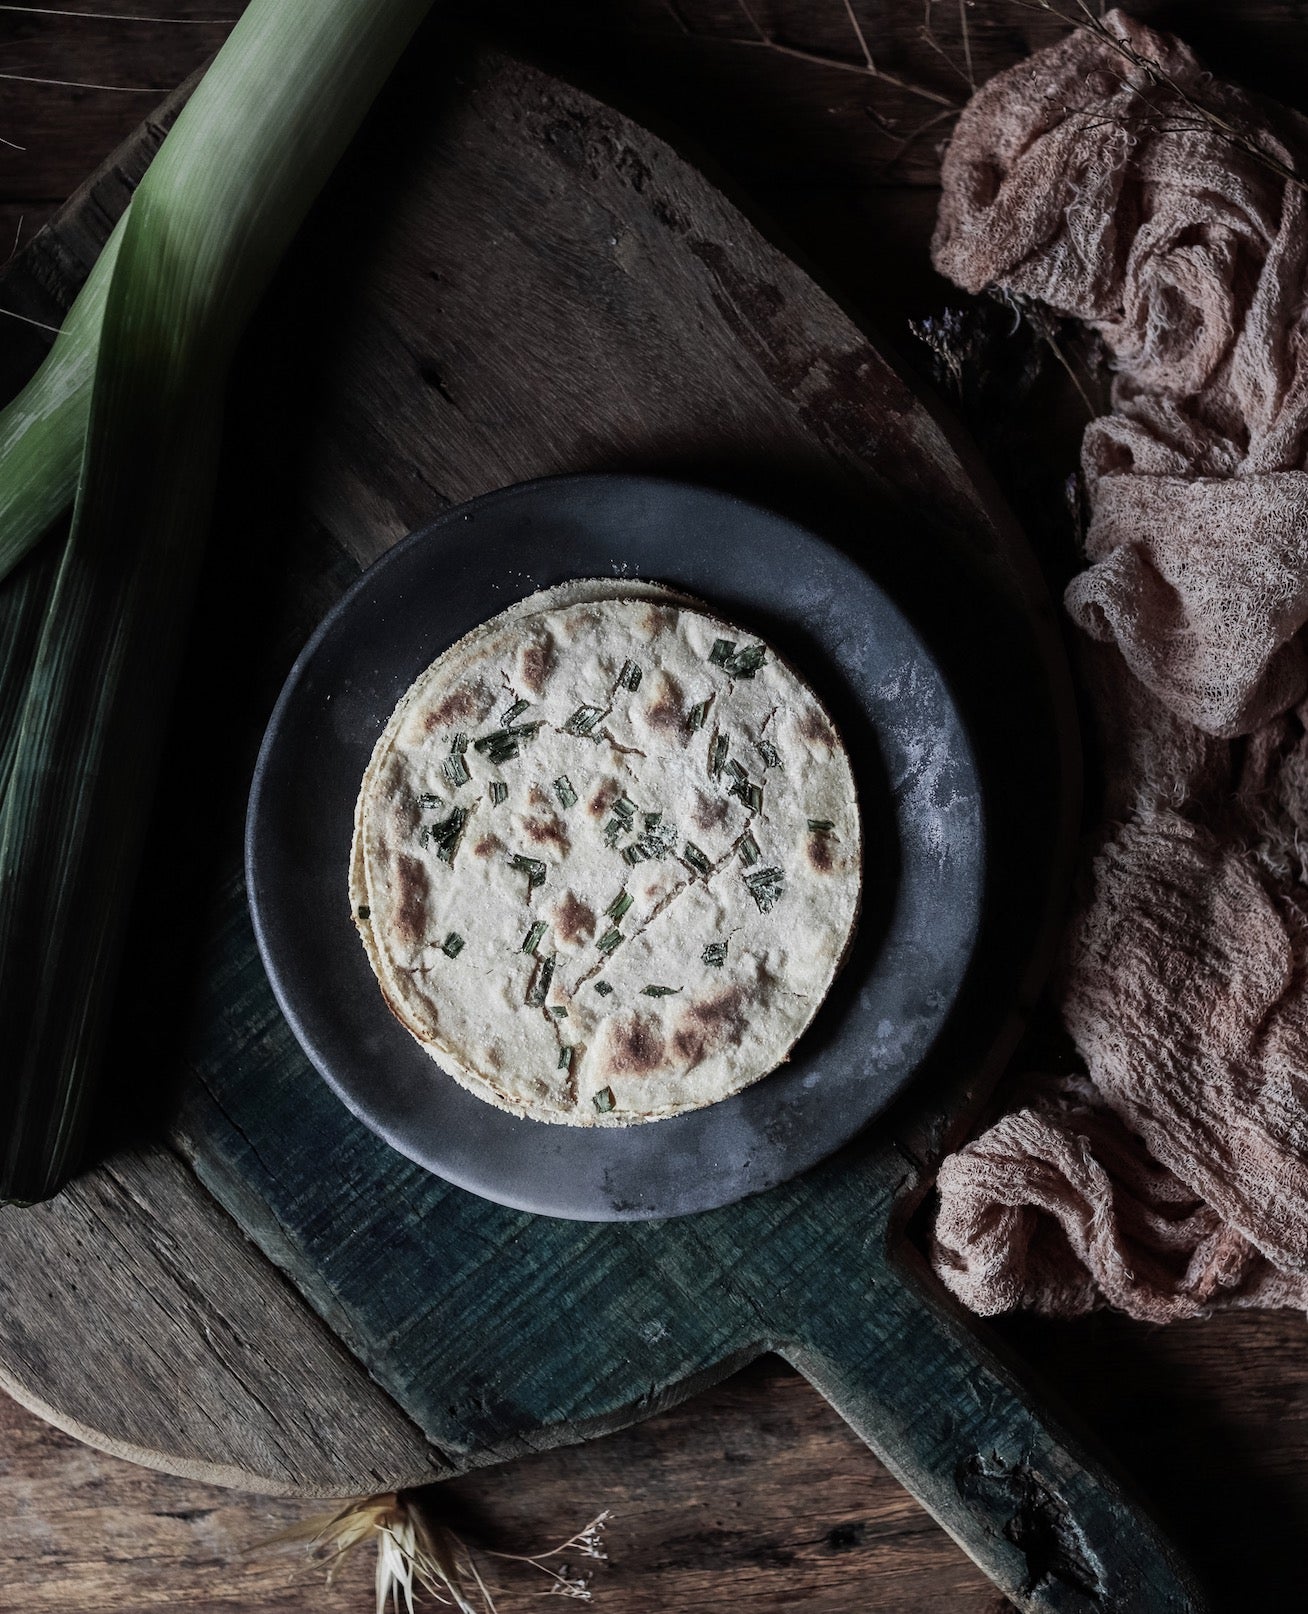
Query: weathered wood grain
[[753, 1493], [131, 1289], [638, 317], [843, 225]]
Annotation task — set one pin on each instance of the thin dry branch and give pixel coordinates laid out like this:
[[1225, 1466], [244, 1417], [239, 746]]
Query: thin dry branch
[[860, 36], [118, 16], [765, 39], [928, 36], [1088, 22], [81, 84], [964, 28]]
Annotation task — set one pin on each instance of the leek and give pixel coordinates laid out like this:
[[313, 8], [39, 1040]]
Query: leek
[[43, 430], [208, 223]]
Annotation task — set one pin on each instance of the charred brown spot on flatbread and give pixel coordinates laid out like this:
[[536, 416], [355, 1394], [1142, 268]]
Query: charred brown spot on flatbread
[[411, 888], [536, 661], [707, 1025], [666, 712], [536, 797], [710, 811], [574, 920], [604, 796], [821, 852], [467, 703], [547, 832], [635, 1047], [488, 846], [814, 728], [657, 619]]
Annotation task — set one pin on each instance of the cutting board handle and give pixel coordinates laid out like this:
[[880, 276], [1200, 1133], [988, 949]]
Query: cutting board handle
[[1046, 1519]]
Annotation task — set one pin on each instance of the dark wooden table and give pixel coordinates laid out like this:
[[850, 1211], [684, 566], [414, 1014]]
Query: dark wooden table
[[754, 1493]]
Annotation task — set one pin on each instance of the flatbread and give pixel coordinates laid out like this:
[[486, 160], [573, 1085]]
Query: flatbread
[[637, 898]]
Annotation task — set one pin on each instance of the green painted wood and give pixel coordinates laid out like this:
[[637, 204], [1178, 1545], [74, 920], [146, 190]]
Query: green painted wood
[[501, 1333], [540, 285]]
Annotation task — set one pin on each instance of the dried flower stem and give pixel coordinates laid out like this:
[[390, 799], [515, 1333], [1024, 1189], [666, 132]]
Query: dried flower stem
[[1089, 22], [416, 1552], [765, 39]]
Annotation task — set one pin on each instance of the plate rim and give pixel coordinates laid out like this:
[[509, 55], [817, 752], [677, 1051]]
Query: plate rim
[[431, 531]]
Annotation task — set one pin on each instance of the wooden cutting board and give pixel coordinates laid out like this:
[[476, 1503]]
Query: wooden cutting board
[[507, 279]]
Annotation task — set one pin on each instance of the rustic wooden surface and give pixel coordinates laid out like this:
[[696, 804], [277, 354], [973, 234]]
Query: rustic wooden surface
[[1226, 1442], [664, 333]]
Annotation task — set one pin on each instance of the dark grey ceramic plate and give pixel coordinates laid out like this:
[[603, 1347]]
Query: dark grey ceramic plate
[[922, 821]]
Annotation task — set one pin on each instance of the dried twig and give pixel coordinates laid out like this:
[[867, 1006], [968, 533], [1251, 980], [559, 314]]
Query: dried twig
[[765, 39], [904, 142], [965, 29], [118, 16], [82, 84], [1088, 22], [417, 1552], [928, 36]]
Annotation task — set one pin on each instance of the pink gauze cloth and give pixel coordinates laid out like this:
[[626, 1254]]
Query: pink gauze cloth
[[1172, 1177]]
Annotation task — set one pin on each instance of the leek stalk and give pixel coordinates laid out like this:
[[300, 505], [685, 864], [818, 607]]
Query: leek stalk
[[207, 226], [43, 431]]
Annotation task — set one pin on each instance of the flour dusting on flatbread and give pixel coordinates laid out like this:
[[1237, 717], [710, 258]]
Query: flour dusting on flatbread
[[606, 858]]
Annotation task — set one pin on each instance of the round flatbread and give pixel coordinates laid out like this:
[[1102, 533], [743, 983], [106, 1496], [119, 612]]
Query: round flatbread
[[606, 858]]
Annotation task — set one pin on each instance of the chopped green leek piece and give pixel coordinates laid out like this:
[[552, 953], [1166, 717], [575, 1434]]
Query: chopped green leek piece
[[696, 716], [603, 988], [722, 651], [698, 861], [499, 792], [629, 677], [365, 912], [717, 754], [660, 991], [459, 744], [532, 867], [745, 663], [510, 715], [736, 771], [715, 954], [604, 1100], [659, 840], [609, 940], [565, 1058], [559, 1010], [765, 886], [821, 825], [583, 720], [445, 835], [614, 829], [624, 808], [455, 769], [540, 988], [532, 940], [564, 791], [428, 800], [619, 905], [503, 745], [771, 756], [453, 945], [748, 851]]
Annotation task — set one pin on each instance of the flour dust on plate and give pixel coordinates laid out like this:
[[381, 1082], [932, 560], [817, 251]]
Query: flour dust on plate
[[606, 857]]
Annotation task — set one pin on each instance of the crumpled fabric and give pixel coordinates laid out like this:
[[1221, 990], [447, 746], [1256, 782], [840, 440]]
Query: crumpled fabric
[[1170, 1176], [1090, 184]]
